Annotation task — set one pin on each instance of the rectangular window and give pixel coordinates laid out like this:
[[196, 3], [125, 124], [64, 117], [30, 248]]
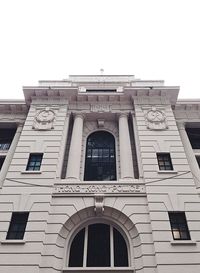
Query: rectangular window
[[2, 158], [179, 226], [17, 226], [164, 161], [34, 162]]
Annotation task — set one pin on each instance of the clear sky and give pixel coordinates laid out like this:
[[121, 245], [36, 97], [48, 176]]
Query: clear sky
[[50, 39]]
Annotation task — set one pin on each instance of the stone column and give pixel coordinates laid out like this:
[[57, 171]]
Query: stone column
[[189, 153], [126, 161], [137, 146], [10, 154], [74, 159], [63, 147]]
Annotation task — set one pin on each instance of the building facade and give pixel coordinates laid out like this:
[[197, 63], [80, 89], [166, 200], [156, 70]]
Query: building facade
[[100, 173]]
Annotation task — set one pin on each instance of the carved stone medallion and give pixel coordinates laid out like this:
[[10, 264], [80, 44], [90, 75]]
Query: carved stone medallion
[[44, 119], [156, 119]]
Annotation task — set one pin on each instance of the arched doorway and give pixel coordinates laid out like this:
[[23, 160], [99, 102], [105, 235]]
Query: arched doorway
[[100, 160]]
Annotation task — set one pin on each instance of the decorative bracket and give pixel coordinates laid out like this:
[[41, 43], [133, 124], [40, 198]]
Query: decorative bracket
[[98, 205]]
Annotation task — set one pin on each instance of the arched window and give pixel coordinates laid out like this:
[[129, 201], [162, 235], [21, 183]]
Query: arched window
[[98, 245], [100, 162]]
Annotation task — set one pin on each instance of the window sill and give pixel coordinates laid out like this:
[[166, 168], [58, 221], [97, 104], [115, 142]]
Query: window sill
[[183, 242], [167, 171], [31, 172], [17, 242], [98, 269]]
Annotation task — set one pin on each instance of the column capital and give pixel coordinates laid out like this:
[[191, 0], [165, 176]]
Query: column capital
[[181, 125], [79, 115], [123, 115]]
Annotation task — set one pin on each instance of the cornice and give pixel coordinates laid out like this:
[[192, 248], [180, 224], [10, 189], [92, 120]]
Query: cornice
[[13, 107]]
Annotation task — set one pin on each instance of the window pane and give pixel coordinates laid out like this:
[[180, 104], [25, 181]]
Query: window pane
[[76, 250], [179, 226], [17, 225], [164, 161], [120, 249], [100, 163], [34, 162], [98, 245]]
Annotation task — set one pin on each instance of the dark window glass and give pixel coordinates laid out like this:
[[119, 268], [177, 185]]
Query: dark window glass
[[76, 250], [101, 90], [164, 161], [198, 160], [34, 162], [2, 158], [194, 137], [179, 226], [98, 253], [94, 245], [120, 249], [100, 162], [6, 137], [17, 225]]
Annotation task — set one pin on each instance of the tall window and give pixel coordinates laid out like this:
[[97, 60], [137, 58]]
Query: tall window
[[194, 137], [164, 161], [100, 162], [6, 137], [98, 245], [17, 226], [179, 226], [34, 162]]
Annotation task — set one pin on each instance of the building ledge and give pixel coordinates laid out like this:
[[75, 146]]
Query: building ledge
[[183, 242], [7, 242], [167, 172], [31, 172], [98, 269]]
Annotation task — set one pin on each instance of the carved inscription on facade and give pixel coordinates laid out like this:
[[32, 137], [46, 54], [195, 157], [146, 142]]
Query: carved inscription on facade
[[44, 119], [100, 108], [156, 119], [98, 188]]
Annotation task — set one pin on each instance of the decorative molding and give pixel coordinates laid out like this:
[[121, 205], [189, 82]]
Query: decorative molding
[[100, 108], [44, 119], [156, 119], [98, 205], [100, 123], [110, 189]]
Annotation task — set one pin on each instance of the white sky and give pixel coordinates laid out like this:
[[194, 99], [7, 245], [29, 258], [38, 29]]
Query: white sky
[[50, 39]]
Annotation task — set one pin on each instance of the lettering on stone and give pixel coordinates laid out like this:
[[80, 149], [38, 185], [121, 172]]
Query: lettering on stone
[[96, 189], [100, 108]]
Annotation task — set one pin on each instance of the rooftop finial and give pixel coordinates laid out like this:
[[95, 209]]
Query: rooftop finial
[[101, 71]]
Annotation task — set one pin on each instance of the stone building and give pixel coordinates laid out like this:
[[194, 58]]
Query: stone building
[[100, 173]]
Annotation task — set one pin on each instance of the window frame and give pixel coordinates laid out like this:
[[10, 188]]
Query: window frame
[[115, 155], [163, 163], [112, 267], [32, 165], [179, 225], [17, 227]]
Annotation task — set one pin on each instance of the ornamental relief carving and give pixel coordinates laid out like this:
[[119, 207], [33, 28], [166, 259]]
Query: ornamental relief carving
[[44, 119], [156, 119]]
